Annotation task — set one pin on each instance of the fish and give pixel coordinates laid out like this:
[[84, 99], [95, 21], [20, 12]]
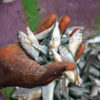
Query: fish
[[93, 40], [94, 91], [65, 40], [41, 48], [56, 56], [75, 42], [78, 92], [73, 76], [7, 1], [31, 36], [25, 43], [48, 90], [55, 38], [46, 33], [24, 93], [69, 30], [66, 54], [34, 42]]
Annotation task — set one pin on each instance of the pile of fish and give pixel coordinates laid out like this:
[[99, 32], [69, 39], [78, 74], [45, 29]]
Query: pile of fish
[[60, 89], [89, 68], [54, 47]]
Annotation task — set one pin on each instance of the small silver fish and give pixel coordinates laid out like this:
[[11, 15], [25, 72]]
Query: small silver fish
[[65, 40], [25, 94], [73, 76], [46, 33], [70, 29], [56, 56], [25, 43], [93, 40], [7, 1], [66, 54], [41, 48], [75, 42], [34, 42], [48, 91], [78, 92], [94, 91], [55, 38], [31, 36]]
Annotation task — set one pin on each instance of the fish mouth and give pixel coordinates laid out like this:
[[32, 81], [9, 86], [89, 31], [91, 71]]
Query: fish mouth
[[73, 77]]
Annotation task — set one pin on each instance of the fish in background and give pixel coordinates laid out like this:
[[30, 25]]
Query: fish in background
[[7, 1]]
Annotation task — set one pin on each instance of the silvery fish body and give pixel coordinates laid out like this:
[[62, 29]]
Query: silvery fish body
[[25, 43], [75, 42], [93, 40], [66, 54], [78, 92], [73, 76], [65, 40], [55, 37], [31, 36], [56, 56], [34, 42], [70, 29], [46, 33], [25, 94], [41, 48], [48, 91], [7, 1]]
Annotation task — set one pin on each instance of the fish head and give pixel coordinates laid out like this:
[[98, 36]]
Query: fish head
[[62, 49], [73, 77]]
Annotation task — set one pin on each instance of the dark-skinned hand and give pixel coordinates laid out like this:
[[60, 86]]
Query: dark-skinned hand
[[18, 69]]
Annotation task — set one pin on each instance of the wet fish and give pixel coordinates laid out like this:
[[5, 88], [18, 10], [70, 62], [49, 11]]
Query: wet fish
[[66, 54], [65, 40], [78, 92], [31, 36], [7, 1], [34, 42], [48, 91], [56, 56], [73, 76], [55, 38], [46, 33], [70, 29], [93, 40], [75, 42], [94, 91], [25, 43], [25, 94]]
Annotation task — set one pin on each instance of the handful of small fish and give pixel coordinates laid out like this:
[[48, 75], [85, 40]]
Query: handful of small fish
[[54, 47], [89, 68]]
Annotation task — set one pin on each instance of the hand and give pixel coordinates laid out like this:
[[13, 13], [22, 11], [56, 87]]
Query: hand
[[18, 69]]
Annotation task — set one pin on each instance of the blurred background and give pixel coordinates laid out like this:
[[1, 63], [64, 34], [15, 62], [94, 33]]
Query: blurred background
[[13, 16]]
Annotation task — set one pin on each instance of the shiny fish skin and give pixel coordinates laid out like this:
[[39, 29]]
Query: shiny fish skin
[[46, 33], [41, 48], [55, 38], [7, 1], [70, 29], [66, 54], [73, 76], [25, 43], [34, 42], [57, 57], [48, 90], [31, 36], [75, 42]]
